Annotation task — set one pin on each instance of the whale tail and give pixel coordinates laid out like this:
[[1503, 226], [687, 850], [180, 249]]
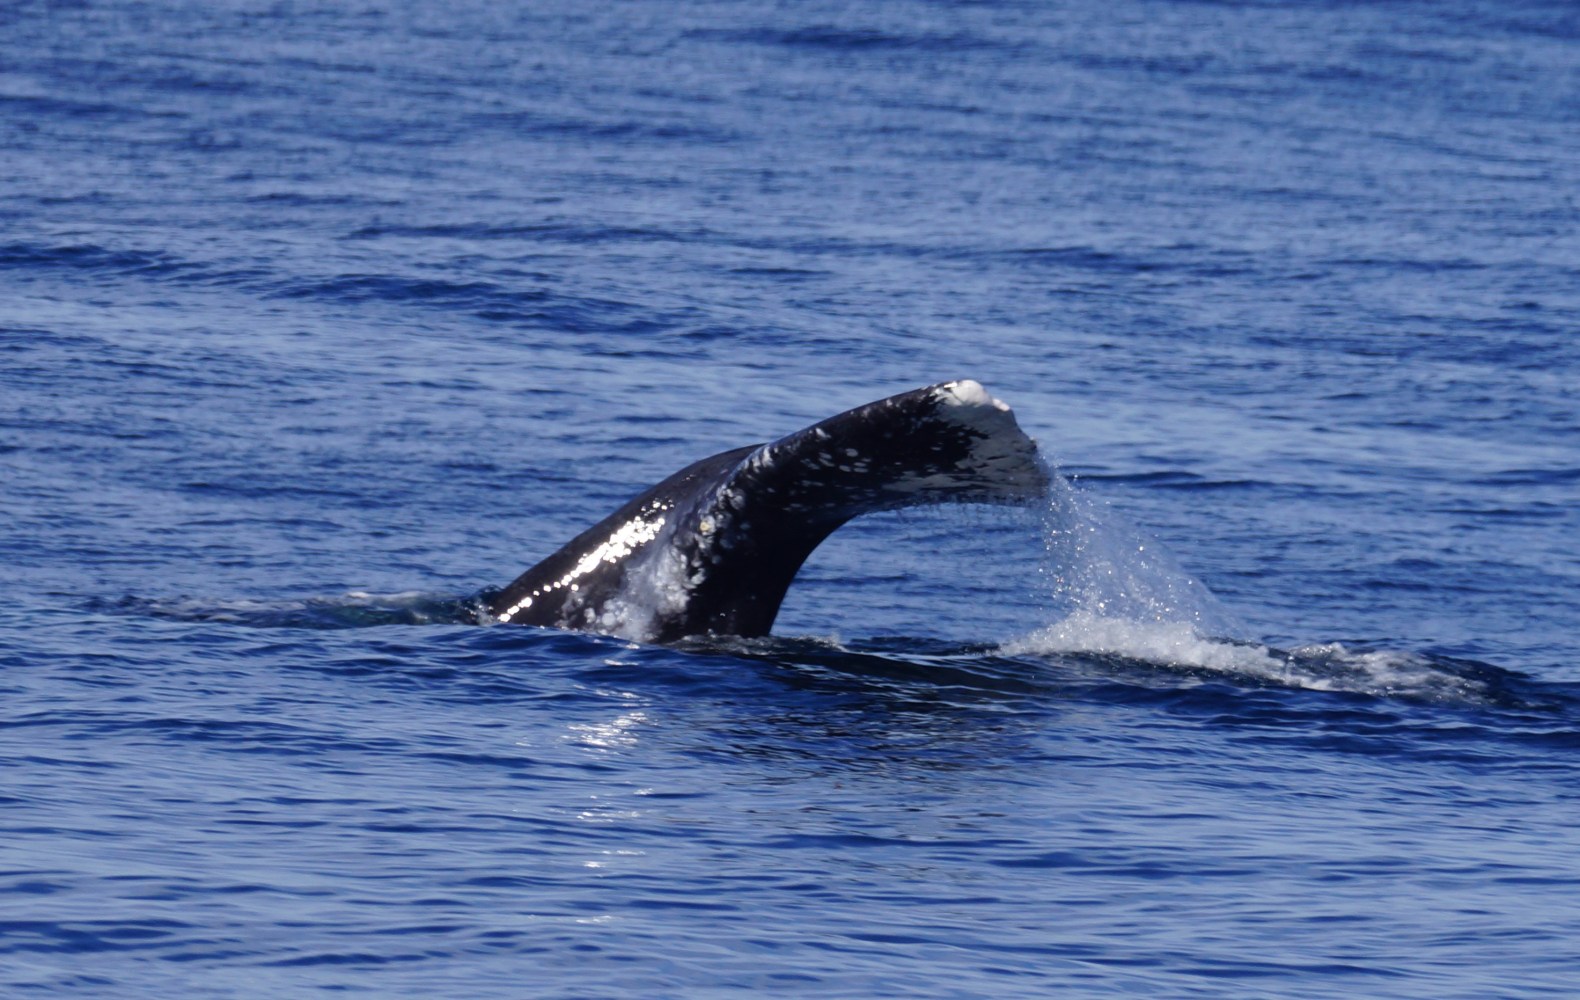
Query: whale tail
[[713, 548]]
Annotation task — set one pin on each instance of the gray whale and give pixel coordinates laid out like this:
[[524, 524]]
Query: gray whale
[[712, 549]]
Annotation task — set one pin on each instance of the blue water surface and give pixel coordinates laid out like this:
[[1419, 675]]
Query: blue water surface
[[316, 320]]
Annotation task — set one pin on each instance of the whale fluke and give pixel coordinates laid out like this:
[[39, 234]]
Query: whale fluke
[[712, 549]]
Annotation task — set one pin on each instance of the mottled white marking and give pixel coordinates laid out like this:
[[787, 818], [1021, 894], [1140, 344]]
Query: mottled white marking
[[616, 547]]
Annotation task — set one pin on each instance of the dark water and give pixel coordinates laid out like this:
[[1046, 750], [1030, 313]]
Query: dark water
[[315, 320]]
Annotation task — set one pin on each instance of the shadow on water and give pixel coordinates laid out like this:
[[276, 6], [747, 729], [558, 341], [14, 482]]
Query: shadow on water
[[1356, 695]]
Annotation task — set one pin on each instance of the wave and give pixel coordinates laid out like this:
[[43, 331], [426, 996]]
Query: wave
[[844, 40], [521, 298], [355, 609]]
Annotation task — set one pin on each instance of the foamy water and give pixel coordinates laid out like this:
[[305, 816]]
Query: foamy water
[[1180, 646]]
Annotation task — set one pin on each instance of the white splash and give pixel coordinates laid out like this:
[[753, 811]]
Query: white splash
[[1177, 643], [1101, 567], [1125, 595]]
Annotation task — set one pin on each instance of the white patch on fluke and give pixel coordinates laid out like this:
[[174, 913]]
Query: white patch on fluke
[[969, 392]]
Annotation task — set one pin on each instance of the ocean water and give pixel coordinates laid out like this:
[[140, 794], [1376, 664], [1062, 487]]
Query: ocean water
[[317, 320]]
